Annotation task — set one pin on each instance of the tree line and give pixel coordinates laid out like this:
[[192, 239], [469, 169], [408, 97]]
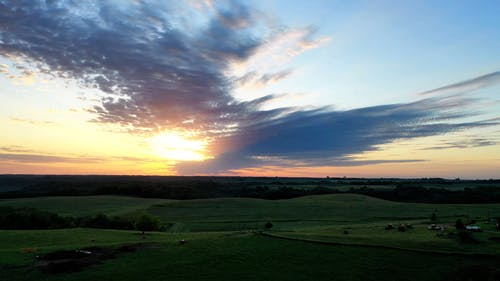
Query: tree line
[[414, 190], [30, 218]]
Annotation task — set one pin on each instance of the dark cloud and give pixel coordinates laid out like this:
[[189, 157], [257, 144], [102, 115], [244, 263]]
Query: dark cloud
[[156, 73], [234, 161], [328, 138]]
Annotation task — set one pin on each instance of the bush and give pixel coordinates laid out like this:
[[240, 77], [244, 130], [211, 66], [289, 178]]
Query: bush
[[268, 225]]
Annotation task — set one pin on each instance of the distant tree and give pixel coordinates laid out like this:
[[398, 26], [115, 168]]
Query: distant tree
[[268, 225], [459, 224], [100, 220], [433, 217], [146, 222]]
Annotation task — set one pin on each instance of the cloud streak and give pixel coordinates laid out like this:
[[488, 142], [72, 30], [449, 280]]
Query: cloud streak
[[470, 143], [21, 154], [467, 85], [32, 122]]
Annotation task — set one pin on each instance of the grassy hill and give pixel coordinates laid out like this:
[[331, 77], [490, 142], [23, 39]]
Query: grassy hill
[[327, 237], [339, 208], [84, 205]]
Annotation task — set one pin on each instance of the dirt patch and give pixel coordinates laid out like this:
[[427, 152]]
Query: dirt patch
[[77, 260], [138, 246]]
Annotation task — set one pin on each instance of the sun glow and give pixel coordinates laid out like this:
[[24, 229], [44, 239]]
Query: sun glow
[[180, 147]]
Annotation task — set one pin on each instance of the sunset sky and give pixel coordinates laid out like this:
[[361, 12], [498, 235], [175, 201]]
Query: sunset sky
[[250, 88]]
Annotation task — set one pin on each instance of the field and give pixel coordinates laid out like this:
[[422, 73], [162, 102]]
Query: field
[[84, 205], [324, 237]]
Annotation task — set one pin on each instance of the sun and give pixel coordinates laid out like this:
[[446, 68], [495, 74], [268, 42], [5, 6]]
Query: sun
[[179, 147]]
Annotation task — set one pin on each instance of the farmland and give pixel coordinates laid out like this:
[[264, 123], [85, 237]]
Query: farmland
[[313, 237]]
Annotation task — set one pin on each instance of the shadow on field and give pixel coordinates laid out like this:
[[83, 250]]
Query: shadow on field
[[477, 272], [77, 260]]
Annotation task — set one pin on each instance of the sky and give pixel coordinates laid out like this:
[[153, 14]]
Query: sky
[[250, 88]]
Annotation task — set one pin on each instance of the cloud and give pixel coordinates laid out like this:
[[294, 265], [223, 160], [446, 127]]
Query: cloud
[[16, 149], [21, 154], [155, 73], [276, 51], [4, 68], [156, 67], [328, 138], [467, 85], [32, 122], [45, 158], [467, 143], [259, 80]]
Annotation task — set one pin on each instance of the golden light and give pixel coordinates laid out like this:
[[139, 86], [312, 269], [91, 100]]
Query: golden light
[[178, 146]]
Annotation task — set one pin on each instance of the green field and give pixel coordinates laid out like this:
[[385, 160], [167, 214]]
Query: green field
[[329, 237], [84, 205]]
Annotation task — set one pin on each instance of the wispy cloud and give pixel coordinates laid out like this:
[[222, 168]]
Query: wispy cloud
[[37, 158], [267, 64], [32, 122], [467, 143], [16, 149], [467, 85], [22, 154], [4, 68], [256, 79]]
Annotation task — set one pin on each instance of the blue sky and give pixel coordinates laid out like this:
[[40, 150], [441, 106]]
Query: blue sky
[[386, 51]]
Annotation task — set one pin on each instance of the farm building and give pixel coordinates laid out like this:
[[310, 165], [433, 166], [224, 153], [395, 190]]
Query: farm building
[[436, 227], [475, 228]]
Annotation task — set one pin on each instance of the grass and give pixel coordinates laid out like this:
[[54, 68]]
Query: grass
[[417, 239], [232, 256], [84, 205], [221, 247], [305, 212], [309, 210]]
